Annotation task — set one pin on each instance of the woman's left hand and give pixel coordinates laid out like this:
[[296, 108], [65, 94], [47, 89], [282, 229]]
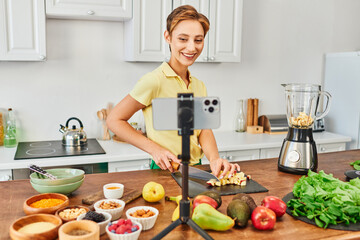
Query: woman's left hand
[[224, 165]]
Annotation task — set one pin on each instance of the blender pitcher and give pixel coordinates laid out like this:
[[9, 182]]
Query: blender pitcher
[[302, 101], [298, 153]]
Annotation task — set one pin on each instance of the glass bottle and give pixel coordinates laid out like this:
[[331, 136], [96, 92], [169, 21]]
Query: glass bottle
[[10, 133], [240, 117]]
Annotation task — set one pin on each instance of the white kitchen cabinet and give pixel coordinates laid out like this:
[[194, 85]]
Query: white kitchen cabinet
[[331, 147], [236, 156], [270, 152], [131, 165], [22, 30], [223, 41], [144, 34], [5, 175], [111, 10]]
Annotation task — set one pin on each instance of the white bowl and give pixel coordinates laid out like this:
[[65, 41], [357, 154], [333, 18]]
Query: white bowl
[[102, 224], [128, 236], [146, 223], [113, 193], [115, 213]]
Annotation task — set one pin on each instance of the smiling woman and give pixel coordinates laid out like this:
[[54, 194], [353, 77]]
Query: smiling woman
[[185, 33]]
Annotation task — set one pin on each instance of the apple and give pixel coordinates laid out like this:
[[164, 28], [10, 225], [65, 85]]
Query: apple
[[275, 204], [263, 218], [204, 199], [153, 192]]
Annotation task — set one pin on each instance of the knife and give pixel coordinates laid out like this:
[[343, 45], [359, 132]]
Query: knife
[[195, 172]]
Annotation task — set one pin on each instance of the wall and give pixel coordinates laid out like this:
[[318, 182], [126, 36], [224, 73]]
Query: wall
[[283, 41]]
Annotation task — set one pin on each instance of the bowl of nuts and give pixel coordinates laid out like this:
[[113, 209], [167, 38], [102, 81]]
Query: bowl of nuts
[[113, 206], [70, 213], [102, 219], [145, 215]]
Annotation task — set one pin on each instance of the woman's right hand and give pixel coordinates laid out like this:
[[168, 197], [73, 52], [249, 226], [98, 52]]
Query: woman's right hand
[[162, 158]]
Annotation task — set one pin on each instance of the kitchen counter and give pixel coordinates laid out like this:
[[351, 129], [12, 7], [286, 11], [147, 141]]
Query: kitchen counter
[[278, 184], [118, 151]]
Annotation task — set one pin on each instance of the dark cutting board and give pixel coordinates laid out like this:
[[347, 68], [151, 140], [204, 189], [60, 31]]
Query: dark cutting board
[[197, 186], [341, 226]]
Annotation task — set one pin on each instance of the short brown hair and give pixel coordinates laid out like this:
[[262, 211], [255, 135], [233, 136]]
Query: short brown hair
[[186, 12]]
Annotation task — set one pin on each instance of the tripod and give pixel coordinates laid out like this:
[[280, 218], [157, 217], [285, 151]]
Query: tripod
[[186, 125]]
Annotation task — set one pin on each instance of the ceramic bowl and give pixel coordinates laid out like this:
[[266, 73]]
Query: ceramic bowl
[[113, 190], [64, 189], [46, 235], [146, 222], [86, 225], [50, 210], [115, 213], [102, 224], [64, 176], [71, 212], [128, 236]]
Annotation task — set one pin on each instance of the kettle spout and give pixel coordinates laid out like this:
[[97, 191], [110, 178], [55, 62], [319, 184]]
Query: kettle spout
[[62, 128]]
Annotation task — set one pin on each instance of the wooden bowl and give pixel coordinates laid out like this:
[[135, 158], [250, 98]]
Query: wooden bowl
[[21, 222], [57, 213], [87, 225], [51, 210]]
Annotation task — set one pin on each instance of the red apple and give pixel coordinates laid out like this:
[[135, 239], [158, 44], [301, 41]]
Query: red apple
[[263, 218], [275, 204], [204, 199]]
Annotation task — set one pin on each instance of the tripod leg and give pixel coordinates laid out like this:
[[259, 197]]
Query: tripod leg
[[199, 230], [167, 229]]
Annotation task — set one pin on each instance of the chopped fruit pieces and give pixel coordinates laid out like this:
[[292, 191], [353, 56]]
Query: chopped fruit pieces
[[236, 179]]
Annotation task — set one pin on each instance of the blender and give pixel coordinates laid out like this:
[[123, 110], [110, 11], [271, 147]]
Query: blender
[[298, 152]]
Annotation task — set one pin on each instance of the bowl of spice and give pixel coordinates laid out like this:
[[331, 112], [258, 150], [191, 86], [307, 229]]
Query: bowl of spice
[[113, 206], [113, 190], [70, 213], [102, 219], [45, 203], [79, 230], [145, 215], [37, 226]]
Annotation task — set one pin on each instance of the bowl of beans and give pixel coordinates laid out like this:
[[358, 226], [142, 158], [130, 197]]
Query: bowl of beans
[[71, 212], [45, 203], [145, 215], [113, 206]]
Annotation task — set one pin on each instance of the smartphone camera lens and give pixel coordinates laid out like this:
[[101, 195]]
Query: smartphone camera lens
[[211, 109], [207, 102], [215, 102]]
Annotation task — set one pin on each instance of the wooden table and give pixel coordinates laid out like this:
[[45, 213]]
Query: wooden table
[[13, 194]]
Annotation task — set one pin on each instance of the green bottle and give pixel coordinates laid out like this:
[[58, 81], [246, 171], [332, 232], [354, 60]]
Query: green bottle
[[10, 133]]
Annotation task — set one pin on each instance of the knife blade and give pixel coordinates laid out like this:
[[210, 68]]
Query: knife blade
[[194, 172], [199, 174]]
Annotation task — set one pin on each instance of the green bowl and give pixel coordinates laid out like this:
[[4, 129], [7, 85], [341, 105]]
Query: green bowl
[[64, 176], [64, 189]]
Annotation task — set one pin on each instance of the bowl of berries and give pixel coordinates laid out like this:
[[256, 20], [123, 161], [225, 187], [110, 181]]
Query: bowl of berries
[[124, 229], [102, 219]]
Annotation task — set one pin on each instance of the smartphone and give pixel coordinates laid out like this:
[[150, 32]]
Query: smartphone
[[206, 113]]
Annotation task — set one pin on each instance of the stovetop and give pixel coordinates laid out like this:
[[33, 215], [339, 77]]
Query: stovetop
[[50, 149]]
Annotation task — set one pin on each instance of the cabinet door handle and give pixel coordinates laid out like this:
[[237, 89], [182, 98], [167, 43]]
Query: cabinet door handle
[[206, 59], [322, 149], [90, 12], [229, 158], [212, 58], [223, 157], [42, 57]]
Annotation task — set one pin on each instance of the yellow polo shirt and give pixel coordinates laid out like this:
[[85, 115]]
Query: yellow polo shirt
[[163, 82]]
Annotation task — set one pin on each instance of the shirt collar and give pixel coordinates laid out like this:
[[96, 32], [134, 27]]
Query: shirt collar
[[169, 72]]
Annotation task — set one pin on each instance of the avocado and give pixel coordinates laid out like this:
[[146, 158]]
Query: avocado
[[239, 211], [214, 195], [248, 199]]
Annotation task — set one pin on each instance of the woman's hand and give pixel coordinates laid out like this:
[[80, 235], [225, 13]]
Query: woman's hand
[[224, 165], [162, 158]]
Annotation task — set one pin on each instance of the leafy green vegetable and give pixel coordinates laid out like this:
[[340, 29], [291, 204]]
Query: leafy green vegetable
[[356, 165], [326, 199]]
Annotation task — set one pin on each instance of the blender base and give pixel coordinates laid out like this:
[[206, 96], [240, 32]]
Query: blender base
[[299, 171]]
